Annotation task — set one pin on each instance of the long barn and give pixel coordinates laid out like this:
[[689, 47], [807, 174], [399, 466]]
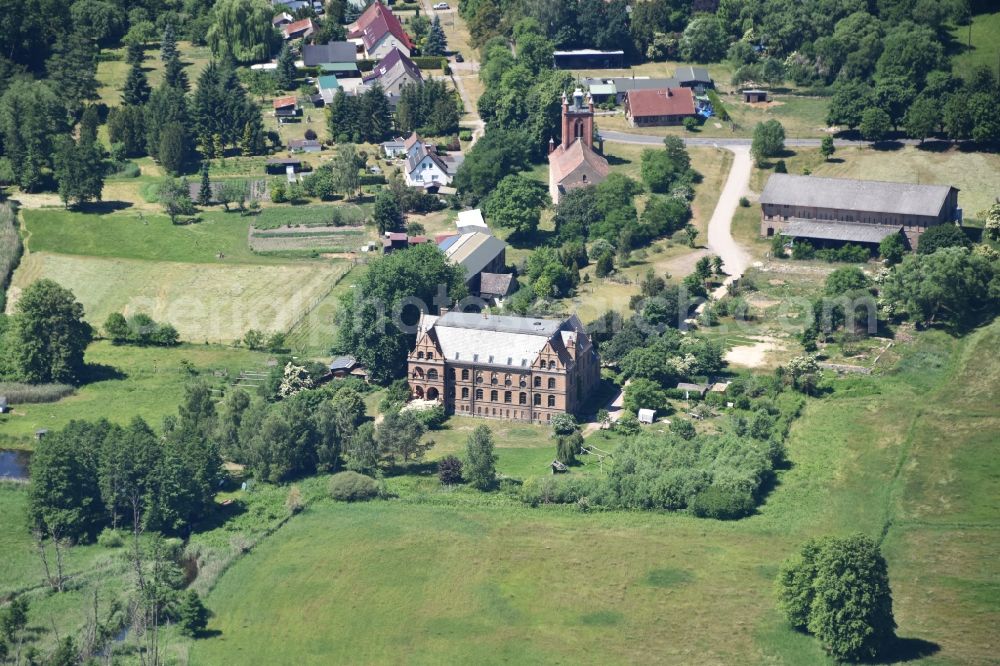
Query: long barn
[[843, 210]]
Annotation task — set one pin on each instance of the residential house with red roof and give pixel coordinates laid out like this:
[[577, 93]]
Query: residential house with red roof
[[378, 31], [574, 162], [669, 106], [299, 29]]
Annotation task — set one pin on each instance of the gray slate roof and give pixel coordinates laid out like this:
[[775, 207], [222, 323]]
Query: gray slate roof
[[858, 195], [855, 232], [317, 54], [495, 283], [686, 74], [491, 339], [343, 363]]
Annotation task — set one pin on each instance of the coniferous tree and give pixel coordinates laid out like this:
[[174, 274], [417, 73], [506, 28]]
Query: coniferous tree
[[285, 74], [436, 44], [89, 121], [135, 53], [205, 191], [72, 69], [173, 150], [168, 44], [175, 76], [376, 114], [166, 105], [136, 90], [342, 116]]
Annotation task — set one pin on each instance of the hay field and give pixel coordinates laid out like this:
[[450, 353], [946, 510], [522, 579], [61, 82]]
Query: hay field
[[205, 302]]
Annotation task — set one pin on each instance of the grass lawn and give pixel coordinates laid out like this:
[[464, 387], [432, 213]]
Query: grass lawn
[[111, 74], [151, 237], [985, 45], [134, 381], [911, 454]]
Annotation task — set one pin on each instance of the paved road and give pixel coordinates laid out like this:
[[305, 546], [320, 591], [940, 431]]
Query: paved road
[[719, 141], [720, 239]]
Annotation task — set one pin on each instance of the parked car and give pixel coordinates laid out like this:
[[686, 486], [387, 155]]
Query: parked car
[[441, 5], [459, 58]]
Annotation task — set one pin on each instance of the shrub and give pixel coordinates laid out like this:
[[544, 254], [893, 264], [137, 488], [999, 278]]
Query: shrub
[[690, 124], [562, 490], [722, 503], [744, 202], [310, 135], [293, 502], [352, 487], [465, 135], [109, 538], [432, 418], [450, 471], [683, 428]]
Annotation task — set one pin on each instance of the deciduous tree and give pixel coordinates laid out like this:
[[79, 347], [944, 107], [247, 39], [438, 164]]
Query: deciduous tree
[[481, 467], [50, 333]]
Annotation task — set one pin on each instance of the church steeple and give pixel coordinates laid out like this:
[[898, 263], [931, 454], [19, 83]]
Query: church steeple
[[578, 120]]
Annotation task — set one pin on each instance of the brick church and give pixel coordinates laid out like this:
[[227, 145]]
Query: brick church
[[500, 367], [574, 162]]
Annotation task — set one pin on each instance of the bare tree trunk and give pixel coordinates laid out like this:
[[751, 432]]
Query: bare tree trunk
[[59, 544], [40, 544]]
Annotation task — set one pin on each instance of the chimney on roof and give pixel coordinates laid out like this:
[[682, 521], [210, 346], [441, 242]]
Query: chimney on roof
[[552, 145]]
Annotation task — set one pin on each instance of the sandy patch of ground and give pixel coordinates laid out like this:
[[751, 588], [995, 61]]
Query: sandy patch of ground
[[755, 355], [37, 200]]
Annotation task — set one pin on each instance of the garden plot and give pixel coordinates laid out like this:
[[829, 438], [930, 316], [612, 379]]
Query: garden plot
[[318, 239]]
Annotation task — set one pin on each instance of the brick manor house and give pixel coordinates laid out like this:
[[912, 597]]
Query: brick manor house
[[513, 368]]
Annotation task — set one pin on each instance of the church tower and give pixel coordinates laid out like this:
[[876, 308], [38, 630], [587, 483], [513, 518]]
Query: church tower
[[577, 120]]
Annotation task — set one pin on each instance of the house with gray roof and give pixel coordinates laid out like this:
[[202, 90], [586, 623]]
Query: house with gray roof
[[845, 210], [512, 368], [619, 87], [694, 77], [393, 72], [476, 253], [337, 58]]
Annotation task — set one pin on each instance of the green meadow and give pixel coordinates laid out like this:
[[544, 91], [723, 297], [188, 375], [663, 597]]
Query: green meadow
[[443, 576]]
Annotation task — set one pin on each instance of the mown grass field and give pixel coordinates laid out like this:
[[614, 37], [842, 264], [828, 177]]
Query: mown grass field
[[447, 576], [204, 302], [148, 237], [202, 278]]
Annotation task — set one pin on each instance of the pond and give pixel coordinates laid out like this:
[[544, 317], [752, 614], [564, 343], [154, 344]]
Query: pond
[[14, 464]]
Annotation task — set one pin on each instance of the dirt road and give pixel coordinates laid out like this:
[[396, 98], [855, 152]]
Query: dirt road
[[735, 259]]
